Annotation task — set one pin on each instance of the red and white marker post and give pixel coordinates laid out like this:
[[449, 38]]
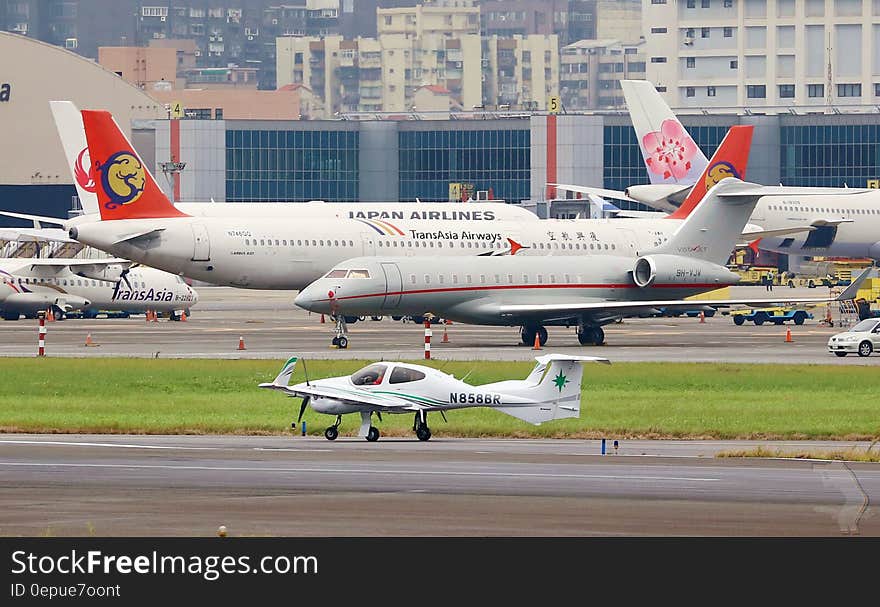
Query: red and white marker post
[[41, 347], [427, 338]]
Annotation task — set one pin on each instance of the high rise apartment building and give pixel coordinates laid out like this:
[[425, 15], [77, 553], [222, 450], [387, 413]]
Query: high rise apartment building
[[768, 54]]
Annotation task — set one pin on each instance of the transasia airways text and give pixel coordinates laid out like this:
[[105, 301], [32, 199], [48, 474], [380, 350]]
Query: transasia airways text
[[448, 235], [452, 215]]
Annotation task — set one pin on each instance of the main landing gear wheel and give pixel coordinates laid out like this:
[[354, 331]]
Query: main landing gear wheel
[[423, 433], [591, 336], [331, 433], [373, 434], [840, 354], [527, 335], [420, 425]]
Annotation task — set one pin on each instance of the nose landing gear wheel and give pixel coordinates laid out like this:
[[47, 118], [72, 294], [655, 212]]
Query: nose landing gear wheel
[[423, 433], [331, 433], [373, 434], [342, 342]]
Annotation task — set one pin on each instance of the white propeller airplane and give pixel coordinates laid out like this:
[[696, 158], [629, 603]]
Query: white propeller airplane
[[551, 391]]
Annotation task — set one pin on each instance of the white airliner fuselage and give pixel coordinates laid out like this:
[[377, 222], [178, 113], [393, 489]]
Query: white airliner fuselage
[[26, 288], [274, 254]]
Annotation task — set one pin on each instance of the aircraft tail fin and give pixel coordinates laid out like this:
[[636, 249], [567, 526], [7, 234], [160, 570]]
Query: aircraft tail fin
[[68, 122], [554, 386], [123, 184], [715, 226], [729, 160], [670, 153], [282, 380]]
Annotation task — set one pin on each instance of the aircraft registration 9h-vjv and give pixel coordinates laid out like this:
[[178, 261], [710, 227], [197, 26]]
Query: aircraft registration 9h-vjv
[[551, 391]]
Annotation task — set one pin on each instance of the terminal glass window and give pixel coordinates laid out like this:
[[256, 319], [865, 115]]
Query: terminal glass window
[[438, 164], [291, 165], [829, 155]]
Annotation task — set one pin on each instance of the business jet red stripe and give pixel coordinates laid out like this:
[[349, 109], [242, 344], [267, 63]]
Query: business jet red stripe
[[513, 287]]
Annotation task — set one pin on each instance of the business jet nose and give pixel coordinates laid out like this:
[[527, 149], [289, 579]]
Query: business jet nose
[[304, 299]]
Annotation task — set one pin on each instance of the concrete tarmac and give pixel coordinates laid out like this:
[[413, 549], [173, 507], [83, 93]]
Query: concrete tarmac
[[189, 485], [272, 328]]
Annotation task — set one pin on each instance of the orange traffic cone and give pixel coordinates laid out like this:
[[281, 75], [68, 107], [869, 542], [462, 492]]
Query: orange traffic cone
[[241, 343], [149, 316], [89, 341], [788, 338], [183, 316], [537, 345], [445, 339], [322, 319], [50, 315], [155, 316], [702, 316]]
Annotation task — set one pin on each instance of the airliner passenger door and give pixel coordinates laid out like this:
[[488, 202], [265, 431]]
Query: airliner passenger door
[[201, 243], [393, 285]]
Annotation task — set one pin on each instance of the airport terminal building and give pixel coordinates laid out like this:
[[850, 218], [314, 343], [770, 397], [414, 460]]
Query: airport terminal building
[[374, 157]]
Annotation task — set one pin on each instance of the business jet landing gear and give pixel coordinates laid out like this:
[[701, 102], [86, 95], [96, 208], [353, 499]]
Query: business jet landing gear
[[341, 339], [590, 336], [528, 332], [420, 425], [333, 431]]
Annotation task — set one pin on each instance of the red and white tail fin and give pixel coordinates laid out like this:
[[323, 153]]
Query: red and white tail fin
[[125, 188], [729, 160]]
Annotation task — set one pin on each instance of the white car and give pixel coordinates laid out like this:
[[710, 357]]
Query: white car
[[861, 339]]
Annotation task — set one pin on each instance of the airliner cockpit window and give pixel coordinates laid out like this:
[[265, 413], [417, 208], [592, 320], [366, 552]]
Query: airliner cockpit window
[[358, 273], [336, 274], [369, 376], [402, 375]]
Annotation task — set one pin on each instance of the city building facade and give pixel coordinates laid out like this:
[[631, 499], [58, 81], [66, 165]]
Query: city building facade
[[765, 54]]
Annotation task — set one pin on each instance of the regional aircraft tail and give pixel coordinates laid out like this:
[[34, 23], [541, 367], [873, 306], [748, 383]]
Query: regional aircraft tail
[[553, 387], [729, 160], [670, 153], [125, 188]]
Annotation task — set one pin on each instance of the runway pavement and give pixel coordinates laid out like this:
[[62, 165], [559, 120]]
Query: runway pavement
[[189, 485], [271, 327]]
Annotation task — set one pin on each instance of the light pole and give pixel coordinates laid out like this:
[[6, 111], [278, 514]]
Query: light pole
[[171, 170]]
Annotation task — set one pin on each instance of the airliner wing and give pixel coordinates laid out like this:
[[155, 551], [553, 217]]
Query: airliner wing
[[615, 194], [615, 309], [352, 397], [40, 218], [751, 235], [820, 223], [34, 235]]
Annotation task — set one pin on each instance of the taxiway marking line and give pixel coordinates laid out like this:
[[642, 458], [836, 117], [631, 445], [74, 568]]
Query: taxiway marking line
[[356, 471]]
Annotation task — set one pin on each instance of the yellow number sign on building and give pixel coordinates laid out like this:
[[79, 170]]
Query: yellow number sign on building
[[874, 184], [177, 110], [553, 105]]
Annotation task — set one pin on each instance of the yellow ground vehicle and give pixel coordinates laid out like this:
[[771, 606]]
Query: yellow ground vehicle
[[775, 315]]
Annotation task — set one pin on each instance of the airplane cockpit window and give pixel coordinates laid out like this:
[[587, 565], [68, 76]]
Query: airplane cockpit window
[[358, 273], [369, 376], [402, 375], [336, 274]]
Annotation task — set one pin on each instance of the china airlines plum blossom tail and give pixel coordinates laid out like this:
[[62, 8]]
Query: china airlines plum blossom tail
[[670, 153], [125, 188], [68, 122]]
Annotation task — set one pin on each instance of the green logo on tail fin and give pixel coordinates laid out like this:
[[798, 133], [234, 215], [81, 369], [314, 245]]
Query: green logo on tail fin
[[560, 381]]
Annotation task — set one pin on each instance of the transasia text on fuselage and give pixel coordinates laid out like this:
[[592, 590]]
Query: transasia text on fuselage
[[429, 215]]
